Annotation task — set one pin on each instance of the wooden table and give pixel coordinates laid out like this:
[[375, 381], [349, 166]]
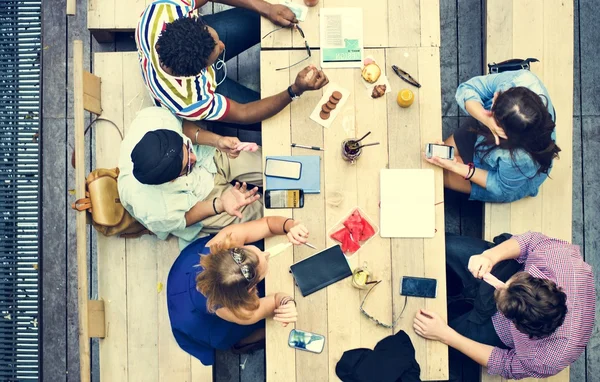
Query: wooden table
[[334, 311]]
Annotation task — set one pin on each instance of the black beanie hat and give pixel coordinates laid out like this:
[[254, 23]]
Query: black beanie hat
[[158, 157]]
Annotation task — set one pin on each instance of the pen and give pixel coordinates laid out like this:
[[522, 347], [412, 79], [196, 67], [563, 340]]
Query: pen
[[307, 147], [310, 245]]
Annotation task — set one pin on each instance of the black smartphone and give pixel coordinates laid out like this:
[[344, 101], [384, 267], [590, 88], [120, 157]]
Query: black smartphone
[[299, 339], [418, 287], [284, 198], [442, 151]]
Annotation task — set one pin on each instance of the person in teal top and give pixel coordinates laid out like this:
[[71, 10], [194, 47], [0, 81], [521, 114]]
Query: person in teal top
[[215, 291], [509, 153]]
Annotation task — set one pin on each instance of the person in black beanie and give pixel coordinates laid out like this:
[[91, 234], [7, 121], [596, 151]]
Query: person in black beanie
[[176, 178]]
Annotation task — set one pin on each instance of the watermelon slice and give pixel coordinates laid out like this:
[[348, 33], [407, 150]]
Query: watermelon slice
[[367, 231], [349, 245], [339, 235], [354, 224]]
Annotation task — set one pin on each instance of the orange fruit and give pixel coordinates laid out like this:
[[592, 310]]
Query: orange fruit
[[405, 98]]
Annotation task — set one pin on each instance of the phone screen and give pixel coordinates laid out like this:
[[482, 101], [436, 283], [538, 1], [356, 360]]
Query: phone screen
[[444, 152], [283, 169], [419, 287], [283, 198], [299, 339]]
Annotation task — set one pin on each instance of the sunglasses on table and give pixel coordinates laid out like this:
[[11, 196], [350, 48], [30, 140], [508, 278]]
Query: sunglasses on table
[[297, 27], [376, 321], [239, 257], [405, 76]]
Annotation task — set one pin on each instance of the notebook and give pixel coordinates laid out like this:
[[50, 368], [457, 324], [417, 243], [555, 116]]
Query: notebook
[[407, 203], [320, 270], [310, 175]]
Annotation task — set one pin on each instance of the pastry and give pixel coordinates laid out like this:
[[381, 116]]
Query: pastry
[[333, 100], [325, 108], [324, 116], [331, 105], [378, 91], [371, 73], [337, 95]]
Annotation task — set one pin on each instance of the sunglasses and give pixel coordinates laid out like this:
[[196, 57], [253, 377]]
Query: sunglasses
[[376, 321], [239, 257], [405, 76], [188, 169], [297, 27]]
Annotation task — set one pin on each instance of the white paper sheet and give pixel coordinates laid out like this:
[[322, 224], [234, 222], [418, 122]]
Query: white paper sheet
[[341, 37]]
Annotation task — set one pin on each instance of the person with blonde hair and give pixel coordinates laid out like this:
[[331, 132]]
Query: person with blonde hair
[[215, 293]]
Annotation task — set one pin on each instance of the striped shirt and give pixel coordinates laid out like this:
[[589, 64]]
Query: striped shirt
[[191, 98], [562, 263]]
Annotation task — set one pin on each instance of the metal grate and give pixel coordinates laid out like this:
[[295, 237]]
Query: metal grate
[[20, 49]]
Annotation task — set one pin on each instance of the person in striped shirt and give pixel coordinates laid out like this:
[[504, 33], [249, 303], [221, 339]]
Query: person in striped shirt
[[545, 311], [182, 57]]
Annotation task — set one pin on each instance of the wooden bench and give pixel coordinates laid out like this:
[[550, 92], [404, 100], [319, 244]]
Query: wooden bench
[[541, 29], [132, 273]]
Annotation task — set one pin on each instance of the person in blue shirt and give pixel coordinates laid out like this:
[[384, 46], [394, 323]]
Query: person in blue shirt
[[509, 153], [215, 293]]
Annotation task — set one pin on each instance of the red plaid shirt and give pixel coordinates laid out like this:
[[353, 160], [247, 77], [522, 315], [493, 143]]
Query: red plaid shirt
[[562, 263]]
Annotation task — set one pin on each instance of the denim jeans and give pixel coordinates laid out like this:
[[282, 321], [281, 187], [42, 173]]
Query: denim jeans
[[239, 29], [476, 323]]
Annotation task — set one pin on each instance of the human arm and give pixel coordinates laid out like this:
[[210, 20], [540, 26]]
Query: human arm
[[230, 201], [431, 326], [200, 136], [481, 264], [267, 226], [269, 306], [278, 14], [310, 78]]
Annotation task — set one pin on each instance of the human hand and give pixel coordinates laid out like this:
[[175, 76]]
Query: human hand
[[309, 78], [430, 325], [235, 198], [281, 15], [298, 234], [286, 313], [490, 123], [229, 145], [479, 265]]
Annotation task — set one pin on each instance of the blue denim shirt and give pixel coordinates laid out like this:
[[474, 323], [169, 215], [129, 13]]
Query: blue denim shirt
[[509, 178]]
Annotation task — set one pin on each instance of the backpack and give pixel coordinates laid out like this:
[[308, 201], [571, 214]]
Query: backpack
[[108, 216]]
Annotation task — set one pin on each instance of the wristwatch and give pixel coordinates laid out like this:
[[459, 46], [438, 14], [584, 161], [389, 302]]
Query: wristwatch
[[293, 95]]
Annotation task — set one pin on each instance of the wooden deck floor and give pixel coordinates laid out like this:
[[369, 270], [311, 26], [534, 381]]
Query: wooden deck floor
[[461, 58]]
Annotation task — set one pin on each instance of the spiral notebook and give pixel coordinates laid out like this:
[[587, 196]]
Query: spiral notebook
[[320, 270]]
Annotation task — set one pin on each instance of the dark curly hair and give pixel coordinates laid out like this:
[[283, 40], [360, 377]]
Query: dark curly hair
[[528, 125], [536, 306], [185, 46]]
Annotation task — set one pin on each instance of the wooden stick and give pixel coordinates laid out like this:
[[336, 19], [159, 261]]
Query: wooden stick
[[71, 7], [82, 266]]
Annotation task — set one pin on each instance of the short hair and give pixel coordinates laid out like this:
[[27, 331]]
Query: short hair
[[536, 306], [222, 282], [185, 46]]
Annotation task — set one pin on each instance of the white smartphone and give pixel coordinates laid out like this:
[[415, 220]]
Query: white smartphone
[[283, 168], [442, 151], [299, 339]]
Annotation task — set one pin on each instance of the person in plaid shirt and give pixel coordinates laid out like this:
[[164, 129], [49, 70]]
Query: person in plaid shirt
[[545, 311]]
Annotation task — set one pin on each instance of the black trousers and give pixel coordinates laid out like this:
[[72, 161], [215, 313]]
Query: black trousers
[[475, 322]]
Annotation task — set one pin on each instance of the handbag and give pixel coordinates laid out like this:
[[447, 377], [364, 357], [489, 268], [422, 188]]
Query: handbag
[[102, 202], [510, 65]]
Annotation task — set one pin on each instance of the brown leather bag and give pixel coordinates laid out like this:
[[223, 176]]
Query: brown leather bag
[[102, 202]]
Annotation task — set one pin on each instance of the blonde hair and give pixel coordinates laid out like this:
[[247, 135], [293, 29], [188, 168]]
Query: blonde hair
[[222, 282]]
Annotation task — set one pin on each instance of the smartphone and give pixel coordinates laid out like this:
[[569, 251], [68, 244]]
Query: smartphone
[[284, 198], [442, 151], [418, 287], [299, 339], [283, 168]]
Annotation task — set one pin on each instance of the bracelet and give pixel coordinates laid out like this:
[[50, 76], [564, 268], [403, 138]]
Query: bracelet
[[471, 168], [285, 300], [215, 206], [286, 220], [196, 136], [472, 173]]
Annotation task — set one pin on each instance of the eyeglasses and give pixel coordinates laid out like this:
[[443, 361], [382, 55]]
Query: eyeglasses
[[405, 76], [376, 321], [239, 257], [297, 27]]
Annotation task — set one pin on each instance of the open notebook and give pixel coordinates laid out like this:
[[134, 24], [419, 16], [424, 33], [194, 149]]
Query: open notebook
[[407, 203]]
